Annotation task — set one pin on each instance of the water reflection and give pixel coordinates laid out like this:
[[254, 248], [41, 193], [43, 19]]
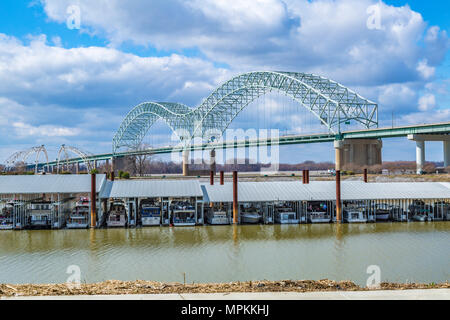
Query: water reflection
[[404, 251]]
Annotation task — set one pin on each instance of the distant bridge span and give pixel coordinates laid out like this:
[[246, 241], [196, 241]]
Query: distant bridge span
[[431, 130]]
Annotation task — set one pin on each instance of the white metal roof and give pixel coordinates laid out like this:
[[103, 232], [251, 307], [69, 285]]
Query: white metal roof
[[151, 189], [326, 190], [395, 190], [49, 183]]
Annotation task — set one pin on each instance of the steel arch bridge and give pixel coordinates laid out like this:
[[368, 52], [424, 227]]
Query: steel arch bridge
[[329, 101]]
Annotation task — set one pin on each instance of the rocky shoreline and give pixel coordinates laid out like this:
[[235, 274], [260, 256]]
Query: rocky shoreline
[[116, 287]]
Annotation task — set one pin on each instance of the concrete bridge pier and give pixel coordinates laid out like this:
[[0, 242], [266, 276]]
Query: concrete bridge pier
[[357, 153], [420, 156], [446, 153], [420, 148]]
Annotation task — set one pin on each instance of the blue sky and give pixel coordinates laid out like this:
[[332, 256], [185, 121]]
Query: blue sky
[[74, 86]]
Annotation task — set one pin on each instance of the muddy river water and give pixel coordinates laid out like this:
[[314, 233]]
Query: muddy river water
[[413, 252]]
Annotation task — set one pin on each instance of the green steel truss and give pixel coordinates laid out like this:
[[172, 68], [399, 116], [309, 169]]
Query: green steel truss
[[329, 101]]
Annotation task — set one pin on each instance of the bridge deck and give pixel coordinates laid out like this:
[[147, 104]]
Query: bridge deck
[[403, 131]]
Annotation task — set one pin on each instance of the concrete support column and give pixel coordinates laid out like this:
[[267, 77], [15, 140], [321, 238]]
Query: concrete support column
[[420, 156], [446, 153], [107, 165], [351, 154], [370, 157], [95, 164], [77, 168], [338, 147], [185, 162]]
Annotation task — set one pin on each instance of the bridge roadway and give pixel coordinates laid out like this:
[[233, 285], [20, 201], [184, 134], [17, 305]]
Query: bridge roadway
[[403, 131]]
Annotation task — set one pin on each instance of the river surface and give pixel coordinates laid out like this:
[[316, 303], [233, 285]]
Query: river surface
[[413, 252]]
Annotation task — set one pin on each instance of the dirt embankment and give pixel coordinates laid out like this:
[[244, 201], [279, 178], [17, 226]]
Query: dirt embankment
[[150, 287]]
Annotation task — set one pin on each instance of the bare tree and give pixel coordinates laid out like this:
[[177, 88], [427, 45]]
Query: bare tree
[[139, 164]]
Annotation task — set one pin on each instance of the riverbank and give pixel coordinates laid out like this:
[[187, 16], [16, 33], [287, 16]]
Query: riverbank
[[115, 287]]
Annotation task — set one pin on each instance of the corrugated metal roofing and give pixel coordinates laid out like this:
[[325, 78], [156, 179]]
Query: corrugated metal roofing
[[219, 193], [395, 190], [151, 189], [49, 183], [326, 190]]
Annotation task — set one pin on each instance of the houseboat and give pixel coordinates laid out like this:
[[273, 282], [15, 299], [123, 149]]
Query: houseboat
[[421, 211], [40, 214], [250, 214], [442, 210], [79, 217], [217, 216], [285, 215], [117, 214], [7, 217], [398, 214], [183, 214], [354, 213], [318, 212], [382, 211], [150, 213]]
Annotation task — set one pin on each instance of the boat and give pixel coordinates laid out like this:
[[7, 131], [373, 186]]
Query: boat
[[318, 212], [117, 214], [398, 214], [150, 213], [382, 211], [79, 217], [183, 214], [420, 211], [250, 215], [40, 214], [217, 216], [442, 210], [354, 214], [285, 215], [7, 217]]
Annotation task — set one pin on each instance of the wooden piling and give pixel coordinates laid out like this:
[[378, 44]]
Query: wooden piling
[[235, 198], [93, 200], [338, 197], [221, 177]]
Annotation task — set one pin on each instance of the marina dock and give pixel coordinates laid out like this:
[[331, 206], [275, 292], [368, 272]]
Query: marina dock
[[66, 201]]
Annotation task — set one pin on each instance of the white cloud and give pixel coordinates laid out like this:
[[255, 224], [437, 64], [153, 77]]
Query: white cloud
[[25, 129], [94, 76], [326, 37], [427, 102], [426, 71], [90, 89]]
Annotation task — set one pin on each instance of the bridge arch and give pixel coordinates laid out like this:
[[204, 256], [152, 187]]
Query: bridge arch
[[329, 101]]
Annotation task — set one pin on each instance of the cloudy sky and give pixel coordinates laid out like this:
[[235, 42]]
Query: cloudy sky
[[70, 70]]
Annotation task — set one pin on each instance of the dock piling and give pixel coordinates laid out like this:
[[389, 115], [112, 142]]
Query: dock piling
[[338, 197], [93, 200], [235, 198]]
